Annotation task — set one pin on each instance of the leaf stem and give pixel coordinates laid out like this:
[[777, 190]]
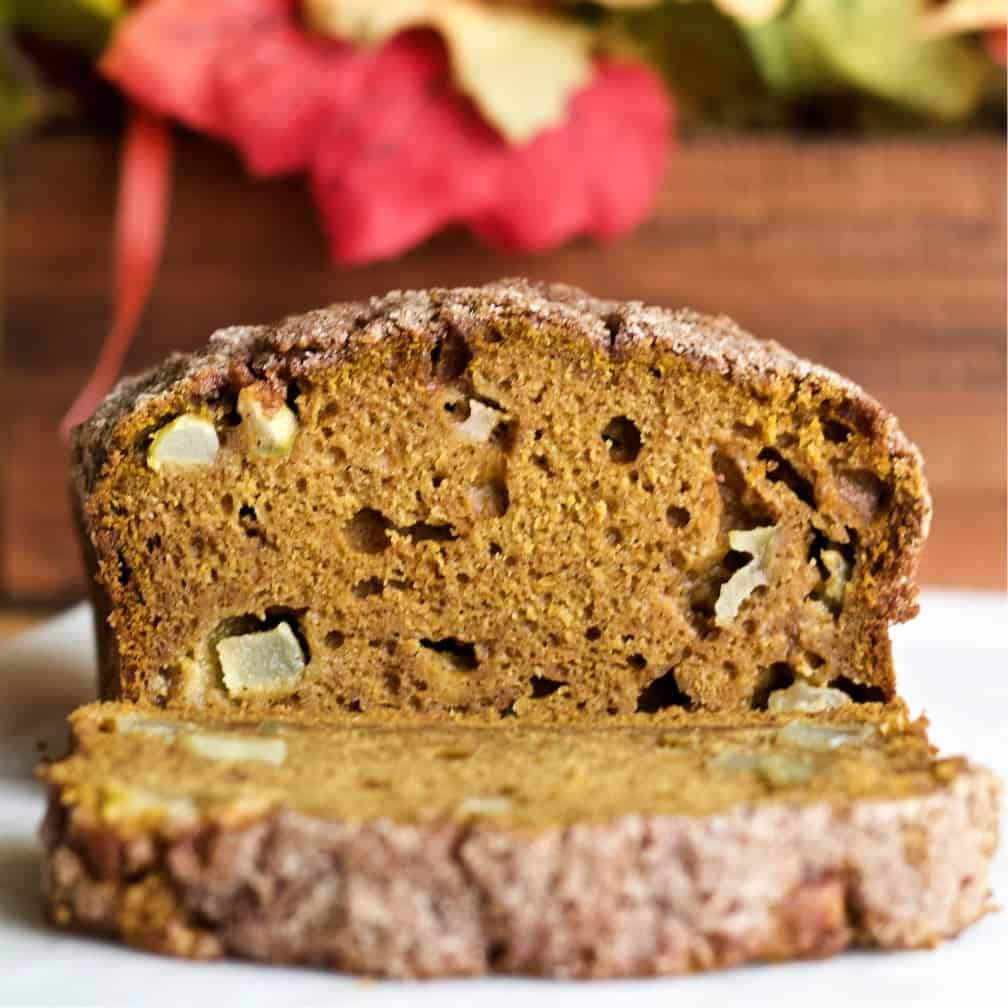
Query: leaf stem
[[141, 215]]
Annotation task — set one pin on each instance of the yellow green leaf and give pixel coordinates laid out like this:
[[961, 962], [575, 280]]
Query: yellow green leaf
[[520, 67], [874, 46]]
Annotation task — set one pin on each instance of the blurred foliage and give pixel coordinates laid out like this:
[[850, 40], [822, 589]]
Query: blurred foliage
[[873, 47], [82, 25], [749, 63], [485, 44], [705, 60], [20, 97], [868, 62], [79, 24]]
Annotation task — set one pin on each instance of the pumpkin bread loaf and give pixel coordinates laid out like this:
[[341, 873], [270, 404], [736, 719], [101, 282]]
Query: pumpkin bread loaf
[[504, 629], [507, 500], [430, 849]]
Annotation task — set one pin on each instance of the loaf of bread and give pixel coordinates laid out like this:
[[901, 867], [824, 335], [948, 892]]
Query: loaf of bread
[[628, 848], [504, 629], [496, 501]]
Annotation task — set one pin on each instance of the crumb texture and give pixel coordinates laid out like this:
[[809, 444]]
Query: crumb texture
[[500, 501], [523, 776]]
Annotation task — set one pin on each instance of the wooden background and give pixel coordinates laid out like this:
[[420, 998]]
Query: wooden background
[[884, 259]]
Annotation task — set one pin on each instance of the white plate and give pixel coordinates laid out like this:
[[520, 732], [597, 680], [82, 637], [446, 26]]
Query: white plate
[[952, 662]]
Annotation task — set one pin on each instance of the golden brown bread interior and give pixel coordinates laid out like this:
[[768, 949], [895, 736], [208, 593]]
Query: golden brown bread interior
[[133, 764], [500, 500]]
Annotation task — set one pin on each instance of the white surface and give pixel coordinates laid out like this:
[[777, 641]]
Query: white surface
[[952, 662]]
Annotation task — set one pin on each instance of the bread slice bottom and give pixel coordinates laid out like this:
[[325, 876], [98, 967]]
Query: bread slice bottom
[[412, 850]]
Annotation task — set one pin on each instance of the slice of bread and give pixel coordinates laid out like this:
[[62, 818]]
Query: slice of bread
[[499, 500], [618, 849]]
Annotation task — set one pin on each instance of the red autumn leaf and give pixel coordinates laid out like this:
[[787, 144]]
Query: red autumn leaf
[[416, 156], [597, 174], [166, 53], [242, 70], [407, 158], [395, 151], [273, 102]]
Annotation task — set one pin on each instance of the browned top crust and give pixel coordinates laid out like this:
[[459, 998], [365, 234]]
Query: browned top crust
[[300, 343]]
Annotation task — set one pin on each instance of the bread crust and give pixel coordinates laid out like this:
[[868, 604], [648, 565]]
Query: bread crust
[[643, 895]]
